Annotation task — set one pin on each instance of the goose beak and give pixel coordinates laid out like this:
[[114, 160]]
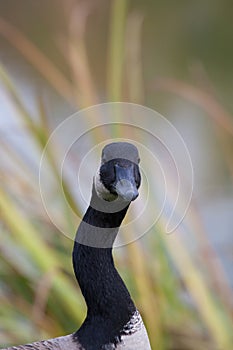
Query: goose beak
[[125, 185]]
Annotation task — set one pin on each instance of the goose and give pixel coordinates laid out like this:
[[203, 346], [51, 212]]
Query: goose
[[112, 320]]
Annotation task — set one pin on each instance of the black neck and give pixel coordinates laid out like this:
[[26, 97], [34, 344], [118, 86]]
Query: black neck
[[109, 305]]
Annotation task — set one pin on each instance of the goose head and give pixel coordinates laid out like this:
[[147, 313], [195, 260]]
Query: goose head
[[118, 176]]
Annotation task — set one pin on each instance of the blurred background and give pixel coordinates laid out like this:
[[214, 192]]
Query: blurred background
[[60, 56]]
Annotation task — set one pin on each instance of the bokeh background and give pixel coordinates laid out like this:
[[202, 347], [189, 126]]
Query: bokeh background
[[60, 56]]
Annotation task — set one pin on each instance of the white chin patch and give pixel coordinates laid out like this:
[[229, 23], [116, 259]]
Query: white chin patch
[[101, 190]]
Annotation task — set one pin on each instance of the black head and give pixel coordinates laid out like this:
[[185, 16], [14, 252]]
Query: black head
[[118, 175]]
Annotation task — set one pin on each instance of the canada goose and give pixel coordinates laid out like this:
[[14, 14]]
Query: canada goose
[[112, 321]]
